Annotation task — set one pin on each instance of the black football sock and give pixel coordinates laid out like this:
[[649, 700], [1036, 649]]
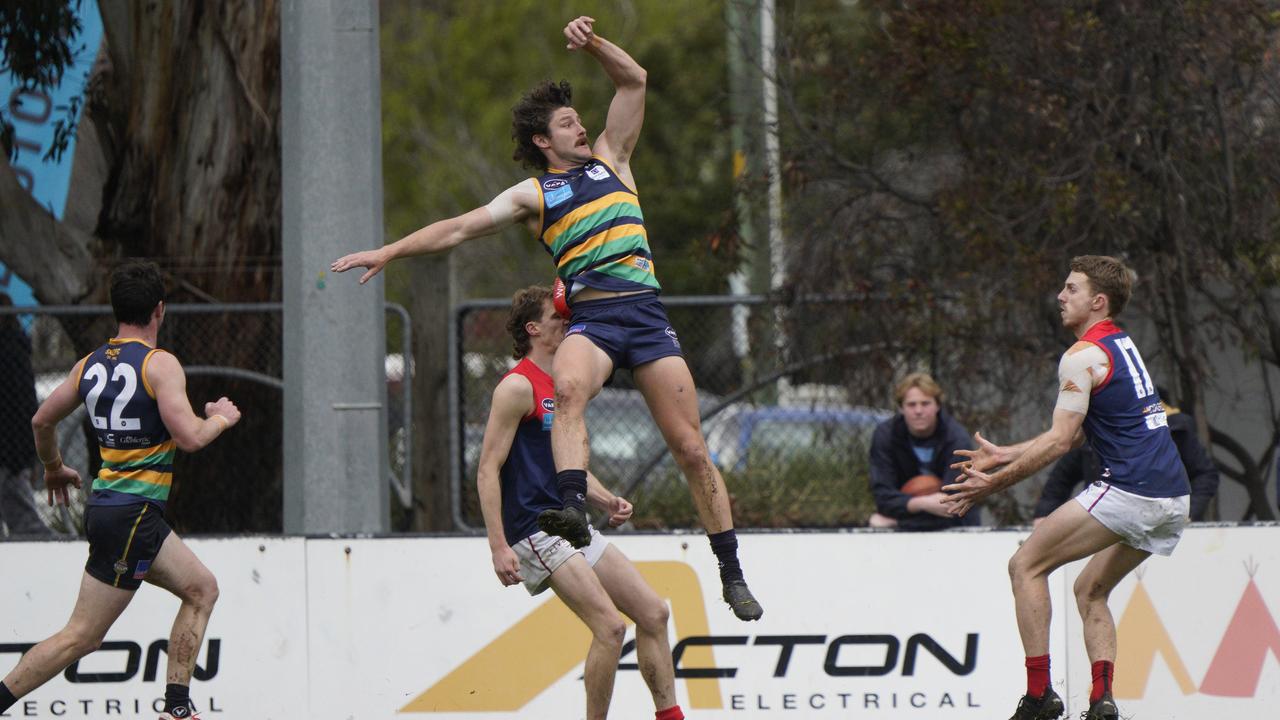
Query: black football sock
[[725, 546], [177, 700], [573, 488]]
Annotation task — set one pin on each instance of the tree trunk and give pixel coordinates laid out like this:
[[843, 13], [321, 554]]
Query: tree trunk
[[187, 110], [429, 310]]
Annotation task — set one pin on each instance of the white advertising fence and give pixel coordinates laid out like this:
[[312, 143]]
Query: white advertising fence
[[862, 625]]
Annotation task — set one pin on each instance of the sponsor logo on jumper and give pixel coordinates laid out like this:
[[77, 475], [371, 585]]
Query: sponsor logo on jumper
[[558, 196], [597, 172]]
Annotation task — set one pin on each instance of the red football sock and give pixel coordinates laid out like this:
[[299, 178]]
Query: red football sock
[[1037, 675], [671, 713], [1103, 672]]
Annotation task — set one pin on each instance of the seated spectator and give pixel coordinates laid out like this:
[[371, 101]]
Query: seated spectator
[[919, 440], [1082, 465]]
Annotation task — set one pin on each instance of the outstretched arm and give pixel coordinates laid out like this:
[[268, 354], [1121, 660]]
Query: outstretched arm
[[1043, 449], [1082, 367], [626, 111], [988, 455], [515, 204]]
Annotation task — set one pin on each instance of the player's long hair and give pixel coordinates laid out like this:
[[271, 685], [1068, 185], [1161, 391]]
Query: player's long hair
[[532, 116], [526, 307]]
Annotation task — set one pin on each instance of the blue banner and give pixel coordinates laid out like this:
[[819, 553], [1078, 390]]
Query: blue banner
[[34, 115]]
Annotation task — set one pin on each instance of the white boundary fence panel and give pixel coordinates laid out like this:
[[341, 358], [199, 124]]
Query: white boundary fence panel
[[856, 625]]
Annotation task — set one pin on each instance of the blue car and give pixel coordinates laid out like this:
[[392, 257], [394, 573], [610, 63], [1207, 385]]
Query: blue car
[[745, 435]]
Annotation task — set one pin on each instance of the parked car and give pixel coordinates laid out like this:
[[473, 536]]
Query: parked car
[[622, 433], [625, 440], [745, 435]]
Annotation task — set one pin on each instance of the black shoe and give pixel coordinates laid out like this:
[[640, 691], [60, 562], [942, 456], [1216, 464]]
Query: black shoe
[[568, 523], [1046, 707], [741, 601], [1103, 709]]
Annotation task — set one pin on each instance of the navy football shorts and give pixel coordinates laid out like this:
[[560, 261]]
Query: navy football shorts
[[123, 542], [632, 329]]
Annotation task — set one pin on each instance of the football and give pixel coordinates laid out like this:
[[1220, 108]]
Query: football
[[922, 485]]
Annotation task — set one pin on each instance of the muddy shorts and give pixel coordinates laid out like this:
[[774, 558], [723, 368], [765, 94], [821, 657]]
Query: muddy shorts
[[1145, 523], [540, 554]]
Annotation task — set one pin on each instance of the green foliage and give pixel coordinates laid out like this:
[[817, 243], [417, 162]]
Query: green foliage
[[954, 158], [450, 74], [807, 489]]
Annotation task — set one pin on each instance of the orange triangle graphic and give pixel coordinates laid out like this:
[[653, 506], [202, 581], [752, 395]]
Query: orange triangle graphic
[[1140, 637], [1237, 665]]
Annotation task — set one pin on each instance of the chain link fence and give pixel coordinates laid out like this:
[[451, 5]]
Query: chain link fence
[[236, 350], [787, 411]]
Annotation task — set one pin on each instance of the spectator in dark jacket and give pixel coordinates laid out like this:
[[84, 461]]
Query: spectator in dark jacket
[[919, 440], [1082, 465], [17, 449]]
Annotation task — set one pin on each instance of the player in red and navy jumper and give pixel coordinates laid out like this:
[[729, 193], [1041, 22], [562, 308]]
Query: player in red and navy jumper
[[517, 481], [1138, 507]]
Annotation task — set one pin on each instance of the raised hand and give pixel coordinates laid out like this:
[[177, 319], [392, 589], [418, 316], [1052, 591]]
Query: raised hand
[[987, 456], [579, 33], [963, 495]]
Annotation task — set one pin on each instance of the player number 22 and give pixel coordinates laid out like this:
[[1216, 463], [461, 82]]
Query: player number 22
[[98, 374]]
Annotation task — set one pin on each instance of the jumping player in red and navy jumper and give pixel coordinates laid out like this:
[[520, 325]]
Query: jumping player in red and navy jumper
[[517, 482], [585, 210], [1139, 507]]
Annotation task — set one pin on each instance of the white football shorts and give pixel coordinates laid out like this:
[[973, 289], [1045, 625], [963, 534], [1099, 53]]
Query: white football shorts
[[1145, 523], [540, 554]]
